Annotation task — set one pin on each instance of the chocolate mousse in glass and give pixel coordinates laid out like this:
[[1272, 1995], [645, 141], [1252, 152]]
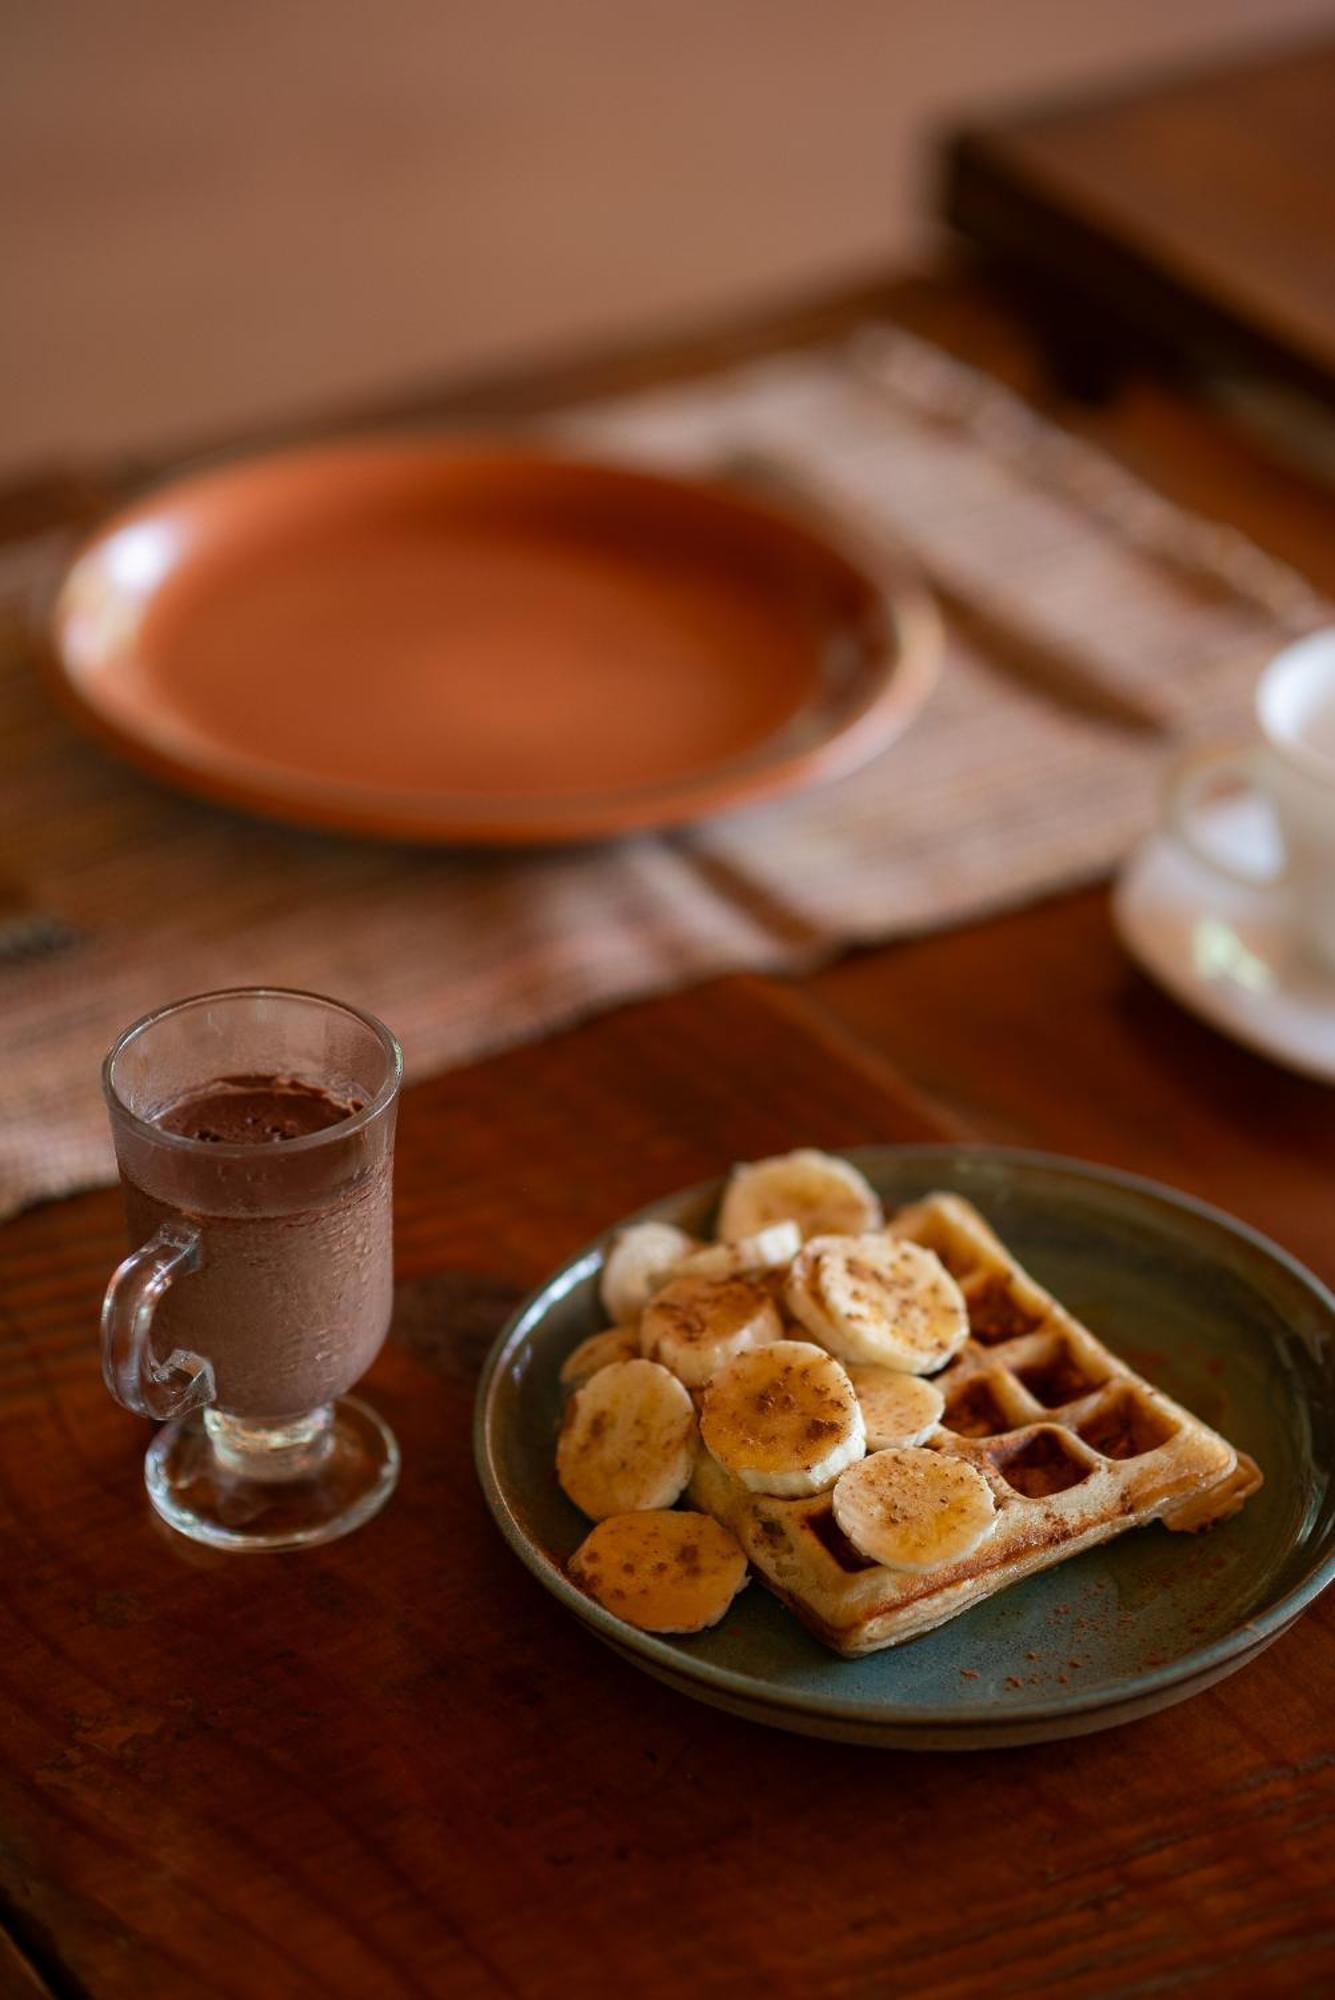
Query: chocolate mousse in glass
[[254, 1131]]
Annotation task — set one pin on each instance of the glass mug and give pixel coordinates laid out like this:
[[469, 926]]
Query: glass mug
[[260, 1285]]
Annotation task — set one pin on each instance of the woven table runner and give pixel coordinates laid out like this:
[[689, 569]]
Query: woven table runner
[[998, 794]]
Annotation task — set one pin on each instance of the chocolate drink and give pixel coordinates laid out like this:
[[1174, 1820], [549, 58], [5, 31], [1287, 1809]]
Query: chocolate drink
[[255, 1111], [291, 1299]]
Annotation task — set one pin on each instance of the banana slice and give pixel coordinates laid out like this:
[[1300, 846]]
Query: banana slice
[[663, 1572], [783, 1419], [640, 1261], [627, 1440], [896, 1408], [878, 1299], [771, 1249], [696, 1324], [821, 1194], [618, 1343], [913, 1509]]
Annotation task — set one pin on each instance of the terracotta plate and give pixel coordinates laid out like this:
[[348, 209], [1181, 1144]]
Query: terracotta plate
[[1220, 1318], [436, 642]]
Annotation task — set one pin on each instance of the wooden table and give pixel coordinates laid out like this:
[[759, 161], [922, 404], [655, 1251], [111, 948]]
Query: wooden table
[[394, 1767]]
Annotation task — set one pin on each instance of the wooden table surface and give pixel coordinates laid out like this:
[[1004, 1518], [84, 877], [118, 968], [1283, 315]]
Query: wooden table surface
[[394, 1767]]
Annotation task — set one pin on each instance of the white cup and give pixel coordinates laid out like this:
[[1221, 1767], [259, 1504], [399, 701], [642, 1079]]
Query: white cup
[[1292, 769]]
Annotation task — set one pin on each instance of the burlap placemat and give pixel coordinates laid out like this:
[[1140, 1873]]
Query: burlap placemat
[[998, 794]]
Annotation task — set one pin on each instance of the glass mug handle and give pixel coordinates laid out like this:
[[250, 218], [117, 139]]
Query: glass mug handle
[[130, 1369]]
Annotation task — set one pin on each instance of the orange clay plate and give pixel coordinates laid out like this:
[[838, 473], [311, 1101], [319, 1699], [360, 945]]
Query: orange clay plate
[[434, 642]]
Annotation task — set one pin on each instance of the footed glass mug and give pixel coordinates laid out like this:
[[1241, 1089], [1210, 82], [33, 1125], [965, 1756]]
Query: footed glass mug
[[254, 1130]]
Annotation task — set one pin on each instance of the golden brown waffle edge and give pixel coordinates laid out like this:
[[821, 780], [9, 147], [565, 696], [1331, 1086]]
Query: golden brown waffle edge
[[1075, 1445]]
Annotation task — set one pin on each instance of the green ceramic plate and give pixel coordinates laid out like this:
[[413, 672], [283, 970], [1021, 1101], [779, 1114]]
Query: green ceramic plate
[[1212, 1312]]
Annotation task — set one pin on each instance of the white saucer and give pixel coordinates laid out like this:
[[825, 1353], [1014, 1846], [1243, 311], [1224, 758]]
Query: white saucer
[[1228, 953]]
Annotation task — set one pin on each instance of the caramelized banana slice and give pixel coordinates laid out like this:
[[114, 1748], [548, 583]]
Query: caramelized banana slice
[[783, 1419], [878, 1299], [663, 1572], [639, 1263], [771, 1249], [618, 1343], [821, 1194], [913, 1509], [627, 1440], [896, 1408], [694, 1325]]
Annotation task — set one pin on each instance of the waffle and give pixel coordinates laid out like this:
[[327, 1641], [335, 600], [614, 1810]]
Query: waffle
[[1075, 1446]]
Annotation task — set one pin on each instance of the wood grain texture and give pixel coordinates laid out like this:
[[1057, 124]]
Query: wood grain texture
[[394, 1767], [346, 1772]]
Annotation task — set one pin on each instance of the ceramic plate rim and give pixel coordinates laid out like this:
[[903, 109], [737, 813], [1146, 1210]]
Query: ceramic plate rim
[[901, 672], [627, 1639]]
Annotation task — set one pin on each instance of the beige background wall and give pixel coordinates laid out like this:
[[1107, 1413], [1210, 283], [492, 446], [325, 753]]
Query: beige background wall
[[214, 210]]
